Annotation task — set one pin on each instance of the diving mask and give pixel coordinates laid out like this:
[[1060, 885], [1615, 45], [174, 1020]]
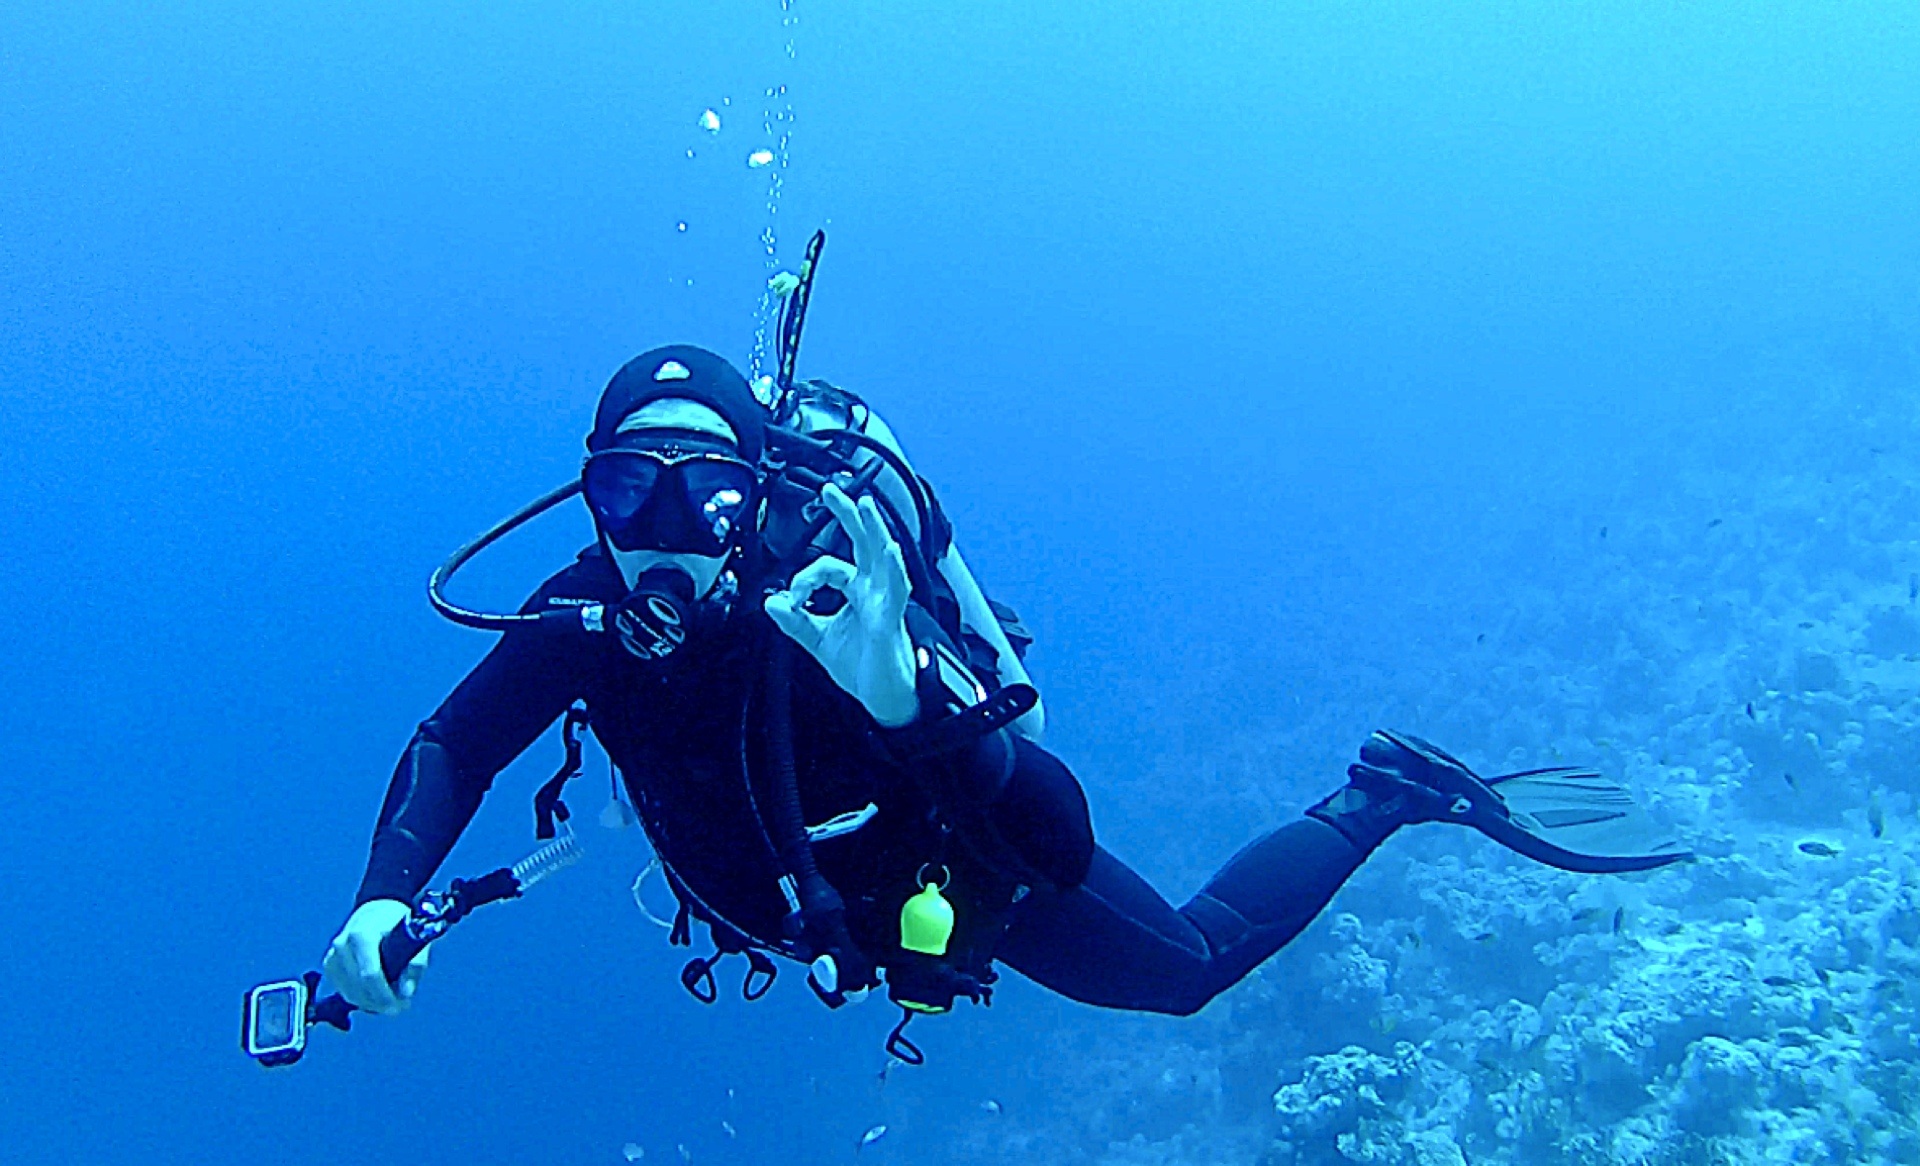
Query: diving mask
[[684, 495]]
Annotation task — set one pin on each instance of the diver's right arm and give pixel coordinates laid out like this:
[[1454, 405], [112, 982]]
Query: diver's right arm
[[523, 685]]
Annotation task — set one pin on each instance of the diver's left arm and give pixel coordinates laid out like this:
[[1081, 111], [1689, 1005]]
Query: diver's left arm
[[862, 644], [866, 647], [974, 609], [977, 615]]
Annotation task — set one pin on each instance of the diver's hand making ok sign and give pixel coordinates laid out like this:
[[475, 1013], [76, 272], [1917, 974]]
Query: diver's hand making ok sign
[[864, 645]]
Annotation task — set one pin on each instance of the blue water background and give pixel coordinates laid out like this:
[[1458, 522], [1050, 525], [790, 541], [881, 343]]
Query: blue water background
[[1269, 357]]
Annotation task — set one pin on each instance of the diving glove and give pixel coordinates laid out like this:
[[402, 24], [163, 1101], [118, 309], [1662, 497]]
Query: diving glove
[[1570, 818], [353, 959]]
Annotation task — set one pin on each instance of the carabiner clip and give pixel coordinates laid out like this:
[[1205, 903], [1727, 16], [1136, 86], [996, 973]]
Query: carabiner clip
[[697, 979], [759, 965]]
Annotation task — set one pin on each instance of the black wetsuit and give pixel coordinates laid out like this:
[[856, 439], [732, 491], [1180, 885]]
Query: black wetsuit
[[688, 737]]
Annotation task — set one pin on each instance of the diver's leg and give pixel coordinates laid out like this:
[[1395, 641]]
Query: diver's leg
[[1115, 942], [1111, 941]]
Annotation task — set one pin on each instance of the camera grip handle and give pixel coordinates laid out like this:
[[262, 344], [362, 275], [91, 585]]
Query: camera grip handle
[[397, 950]]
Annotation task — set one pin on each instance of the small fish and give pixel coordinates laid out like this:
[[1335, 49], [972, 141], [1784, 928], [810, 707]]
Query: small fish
[[1751, 715], [870, 1137], [1778, 981], [1791, 784], [686, 1155], [728, 1127], [633, 1151], [1913, 586], [1715, 522], [993, 1107], [1819, 850], [1603, 532], [1486, 937], [1586, 914], [1806, 625], [1876, 818], [1413, 940], [887, 1069], [1826, 981], [1619, 919], [1481, 638]]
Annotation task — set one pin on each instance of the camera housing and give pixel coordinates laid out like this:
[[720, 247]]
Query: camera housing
[[274, 1022]]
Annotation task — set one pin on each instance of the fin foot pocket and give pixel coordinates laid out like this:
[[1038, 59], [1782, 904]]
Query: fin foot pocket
[[1567, 817]]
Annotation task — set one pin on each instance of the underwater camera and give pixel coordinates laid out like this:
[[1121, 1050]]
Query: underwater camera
[[274, 1022]]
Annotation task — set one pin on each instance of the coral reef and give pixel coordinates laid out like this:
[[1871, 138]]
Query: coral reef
[[1761, 687]]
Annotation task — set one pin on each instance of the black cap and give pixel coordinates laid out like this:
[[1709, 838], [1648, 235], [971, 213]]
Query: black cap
[[694, 374]]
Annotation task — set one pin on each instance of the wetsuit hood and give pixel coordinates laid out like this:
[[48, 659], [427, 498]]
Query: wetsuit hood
[[681, 370]]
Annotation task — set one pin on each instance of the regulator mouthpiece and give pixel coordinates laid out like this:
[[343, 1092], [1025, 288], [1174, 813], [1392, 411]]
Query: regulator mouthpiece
[[652, 620]]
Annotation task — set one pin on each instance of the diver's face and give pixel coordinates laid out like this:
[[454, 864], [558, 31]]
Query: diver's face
[[651, 424]]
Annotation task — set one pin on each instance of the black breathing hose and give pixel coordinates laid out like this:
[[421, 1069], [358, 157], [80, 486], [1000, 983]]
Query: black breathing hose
[[495, 621], [823, 914], [789, 823]]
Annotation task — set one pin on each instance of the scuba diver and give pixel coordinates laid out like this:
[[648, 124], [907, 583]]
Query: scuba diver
[[827, 733]]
